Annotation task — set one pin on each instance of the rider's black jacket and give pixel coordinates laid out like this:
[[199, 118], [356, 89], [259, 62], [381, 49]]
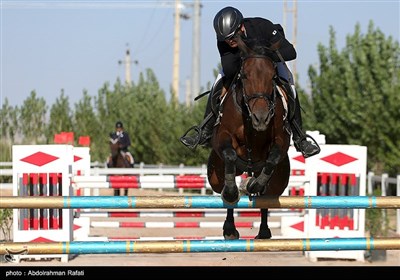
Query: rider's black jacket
[[124, 139], [257, 30]]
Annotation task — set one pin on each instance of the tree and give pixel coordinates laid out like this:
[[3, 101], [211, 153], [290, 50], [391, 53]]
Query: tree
[[33, 119], [60, 117], [355, 95]]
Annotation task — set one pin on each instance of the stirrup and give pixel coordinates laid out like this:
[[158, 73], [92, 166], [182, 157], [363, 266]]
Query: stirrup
[[198, 130], [305, 137]]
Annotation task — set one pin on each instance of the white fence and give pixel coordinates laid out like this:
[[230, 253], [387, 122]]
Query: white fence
[[384, 182]]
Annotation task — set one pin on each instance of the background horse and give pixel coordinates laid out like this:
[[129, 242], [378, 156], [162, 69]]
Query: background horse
[[117, 160], [253, 137]]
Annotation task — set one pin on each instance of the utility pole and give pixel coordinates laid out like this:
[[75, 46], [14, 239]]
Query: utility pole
[[293, 40], [175, 66], [127, 62], [196, 50]]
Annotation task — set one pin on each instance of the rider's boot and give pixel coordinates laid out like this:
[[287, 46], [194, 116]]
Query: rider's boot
[[203, 132], [306, 147]]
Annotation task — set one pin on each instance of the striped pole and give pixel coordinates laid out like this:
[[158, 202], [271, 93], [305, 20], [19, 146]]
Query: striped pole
[[200, 246], [125, 202]]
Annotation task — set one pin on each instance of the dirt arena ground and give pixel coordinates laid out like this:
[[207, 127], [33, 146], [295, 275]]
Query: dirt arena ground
[[114, 262]]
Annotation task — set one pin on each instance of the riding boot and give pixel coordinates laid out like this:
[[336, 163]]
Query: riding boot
[[203, 132], [306, 147]]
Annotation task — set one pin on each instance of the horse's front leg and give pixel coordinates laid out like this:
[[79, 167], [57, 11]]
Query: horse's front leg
[[259, 184], [264, 232], [230, 231], [230, 192]]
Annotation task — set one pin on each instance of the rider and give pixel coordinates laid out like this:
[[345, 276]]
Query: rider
[[229, 23], [124, 140]]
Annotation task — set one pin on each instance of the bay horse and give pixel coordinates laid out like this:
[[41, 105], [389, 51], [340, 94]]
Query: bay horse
[[251, 137], [117, 160]]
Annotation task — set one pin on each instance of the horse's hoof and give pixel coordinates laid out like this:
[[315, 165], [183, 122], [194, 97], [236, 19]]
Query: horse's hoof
[[265, 234], [254, 187], [232, 236], [230, 197], [250, 186]]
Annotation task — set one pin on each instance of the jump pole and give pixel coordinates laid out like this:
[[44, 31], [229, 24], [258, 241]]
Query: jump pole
[[128, 202], [200, 246]]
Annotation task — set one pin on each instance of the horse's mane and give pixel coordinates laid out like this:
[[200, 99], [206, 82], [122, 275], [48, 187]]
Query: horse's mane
[[253, 46], [256, 46]]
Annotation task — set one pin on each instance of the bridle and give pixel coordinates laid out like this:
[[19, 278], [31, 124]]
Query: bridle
[[247, 97]]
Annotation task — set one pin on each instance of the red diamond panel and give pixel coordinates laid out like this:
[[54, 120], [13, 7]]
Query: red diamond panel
[[39, 159], [339, 159], [300, 158], [76, 158], [298, 226], [41, 239]]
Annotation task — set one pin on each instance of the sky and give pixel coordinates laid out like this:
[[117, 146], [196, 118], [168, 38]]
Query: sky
[[76, 46]]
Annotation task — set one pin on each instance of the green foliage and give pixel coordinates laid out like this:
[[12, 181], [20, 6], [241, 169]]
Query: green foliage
[[60, 118], [354, 100], [355, 96], [32, 119], [6, 223], [377, 220]]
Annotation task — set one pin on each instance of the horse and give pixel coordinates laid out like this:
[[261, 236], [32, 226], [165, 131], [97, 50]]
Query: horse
[[117, 160], [251, 137]]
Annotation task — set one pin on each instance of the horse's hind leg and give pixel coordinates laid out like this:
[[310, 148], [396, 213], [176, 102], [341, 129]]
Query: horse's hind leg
[[230, 231], [230, 192], [264, 232]]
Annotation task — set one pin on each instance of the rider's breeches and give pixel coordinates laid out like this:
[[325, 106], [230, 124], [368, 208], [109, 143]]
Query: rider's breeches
[[285, 73]]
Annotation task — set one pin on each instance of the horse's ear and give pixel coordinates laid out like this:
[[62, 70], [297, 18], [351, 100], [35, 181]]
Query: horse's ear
[[111, 134]]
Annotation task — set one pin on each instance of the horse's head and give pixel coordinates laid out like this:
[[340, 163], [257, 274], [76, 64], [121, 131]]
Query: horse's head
[[114, 147], [257, 83]]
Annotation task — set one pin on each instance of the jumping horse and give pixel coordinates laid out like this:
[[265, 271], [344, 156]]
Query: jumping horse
[[117, 160], [251, 138]]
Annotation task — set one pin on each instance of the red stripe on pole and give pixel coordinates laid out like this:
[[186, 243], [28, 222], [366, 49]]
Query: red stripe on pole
[[25, 179], [190, 181], [43, 178], [324, 178], [44, 223], [353, 180], [123, 179], [188, 214], [334, 222], [324, 221], [249, 214], [244, 224], [343, 222], [187, 185], [25, 224], [35, 223], [54, 223], [298, 172], [123, 215], [132, 224], [34, 178], [124, 185], [351, 224], [186, 224]]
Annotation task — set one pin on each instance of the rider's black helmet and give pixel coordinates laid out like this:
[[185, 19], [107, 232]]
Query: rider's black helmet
[[226, 22], [119, 125]]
